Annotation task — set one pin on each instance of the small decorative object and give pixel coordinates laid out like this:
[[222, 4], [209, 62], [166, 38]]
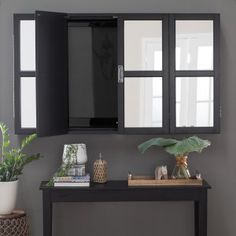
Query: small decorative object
[[180, 149], [129, 175], [100, 170], [72, 169], [76, 170], [198, 175], [12, 162], [75, 154], [161, 172], [14, 224]]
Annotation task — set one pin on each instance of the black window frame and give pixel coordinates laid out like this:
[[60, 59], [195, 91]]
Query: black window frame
[[215, 73], [164, 74], [17, 18], [168, 74]]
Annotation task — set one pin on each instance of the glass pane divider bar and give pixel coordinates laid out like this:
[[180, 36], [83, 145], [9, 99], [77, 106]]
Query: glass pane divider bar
[[143, 73], [27, 74], [194, 73]]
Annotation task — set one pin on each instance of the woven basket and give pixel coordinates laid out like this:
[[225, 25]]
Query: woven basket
[[14, 224]]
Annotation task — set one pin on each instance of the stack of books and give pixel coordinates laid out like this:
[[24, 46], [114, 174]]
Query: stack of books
[[72, 181]]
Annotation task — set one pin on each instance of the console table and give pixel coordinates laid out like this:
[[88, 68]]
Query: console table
[[119, 191]]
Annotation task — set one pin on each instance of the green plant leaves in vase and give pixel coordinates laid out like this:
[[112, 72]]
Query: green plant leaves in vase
[[180, 149], [13, 160], [177, 147]]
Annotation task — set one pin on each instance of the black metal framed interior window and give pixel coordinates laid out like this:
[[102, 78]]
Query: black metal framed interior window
[[168, 73], [24, 74], [143, 73], [194, 73]]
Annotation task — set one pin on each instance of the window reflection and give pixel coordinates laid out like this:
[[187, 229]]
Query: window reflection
[[194, 45], [27, 45], [28, 102], [143, 45], [194, 101], [143, 102]]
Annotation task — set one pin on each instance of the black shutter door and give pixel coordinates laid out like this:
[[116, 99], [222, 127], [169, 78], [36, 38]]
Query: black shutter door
[[51, 73]]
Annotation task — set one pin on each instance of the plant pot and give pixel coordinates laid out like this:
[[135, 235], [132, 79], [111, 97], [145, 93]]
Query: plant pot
[[8, 195], [181, 168]]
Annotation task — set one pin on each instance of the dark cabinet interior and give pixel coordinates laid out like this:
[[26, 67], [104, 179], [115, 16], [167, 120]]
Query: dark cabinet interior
[[123, 73], [92, 73]]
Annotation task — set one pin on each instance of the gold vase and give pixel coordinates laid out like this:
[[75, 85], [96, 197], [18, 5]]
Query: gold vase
[[181, 168]]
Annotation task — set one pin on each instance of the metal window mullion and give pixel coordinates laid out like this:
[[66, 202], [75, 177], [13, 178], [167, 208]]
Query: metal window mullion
[[194, 73], [143, 73], [27, 74]]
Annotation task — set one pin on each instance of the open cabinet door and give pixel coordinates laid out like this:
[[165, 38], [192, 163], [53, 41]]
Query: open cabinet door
[[51, 73]]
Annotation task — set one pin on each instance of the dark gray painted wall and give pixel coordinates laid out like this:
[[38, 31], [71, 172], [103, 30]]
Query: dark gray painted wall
[[218, 163]]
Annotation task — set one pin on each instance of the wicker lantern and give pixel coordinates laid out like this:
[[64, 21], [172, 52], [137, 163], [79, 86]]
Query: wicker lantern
[[100, 170]]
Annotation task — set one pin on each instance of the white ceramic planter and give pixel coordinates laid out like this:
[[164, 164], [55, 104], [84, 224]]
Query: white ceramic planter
[[75, 154], [8, 195]]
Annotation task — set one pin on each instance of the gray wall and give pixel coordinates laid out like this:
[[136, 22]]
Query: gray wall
[[217, 164]]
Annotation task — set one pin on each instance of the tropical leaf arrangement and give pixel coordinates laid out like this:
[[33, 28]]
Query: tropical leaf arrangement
[[13, 160], [177, 147]]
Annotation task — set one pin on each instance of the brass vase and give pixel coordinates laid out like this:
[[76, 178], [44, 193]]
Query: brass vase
[[181, 170]]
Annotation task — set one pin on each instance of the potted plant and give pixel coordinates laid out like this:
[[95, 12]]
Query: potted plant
[[180, 149], [12, 162]]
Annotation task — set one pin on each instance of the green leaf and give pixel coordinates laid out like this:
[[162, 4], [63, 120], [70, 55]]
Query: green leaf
[[188, 145], [13, 160], [161, 142], [177, 147], [5, 139], [27, 140]]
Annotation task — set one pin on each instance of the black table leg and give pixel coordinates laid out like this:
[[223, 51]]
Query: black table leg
[[200, 215], [47, 214]]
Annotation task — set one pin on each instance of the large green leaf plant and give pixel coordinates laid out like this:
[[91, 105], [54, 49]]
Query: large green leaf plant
[[177, 147], [13, 160], [180, 149]]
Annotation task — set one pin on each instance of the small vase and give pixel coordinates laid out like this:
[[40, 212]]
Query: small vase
[[181, 168]]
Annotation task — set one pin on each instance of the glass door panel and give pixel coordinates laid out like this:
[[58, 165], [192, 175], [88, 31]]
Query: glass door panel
[[194, 45], [194, 101], [143, 45], [27, 45], [28, 102], [143, 101]]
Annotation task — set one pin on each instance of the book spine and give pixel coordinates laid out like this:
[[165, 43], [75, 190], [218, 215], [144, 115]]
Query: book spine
[[72, 179], [68, 184]]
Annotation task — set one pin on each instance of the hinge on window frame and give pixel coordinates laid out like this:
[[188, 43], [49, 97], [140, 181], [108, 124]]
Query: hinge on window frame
[[120, 74], [220, 112]]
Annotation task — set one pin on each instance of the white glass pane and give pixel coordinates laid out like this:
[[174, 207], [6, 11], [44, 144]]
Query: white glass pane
[[143, 102], [156, 112], [204, 114], [194, 104], [27, 45], [28, 102], [204, 88], [194, 45], [143, 45]]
